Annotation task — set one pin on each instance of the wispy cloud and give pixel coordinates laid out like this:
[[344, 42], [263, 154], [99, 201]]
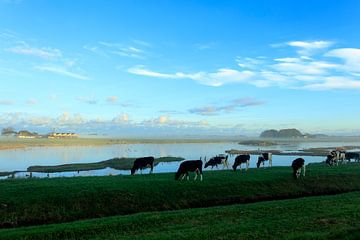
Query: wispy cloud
[[204, 46], [120, 49], [32, 101], [309, 47], [311, 69], [215, 79], [46, 53], [232, 106], [60, 70], [88, 100]]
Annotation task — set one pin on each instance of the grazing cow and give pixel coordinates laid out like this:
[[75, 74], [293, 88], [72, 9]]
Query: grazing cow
[[141, 163], [264, 157], [189, 166], [241, 159], [221, 159], [352, 155], [297, 165]]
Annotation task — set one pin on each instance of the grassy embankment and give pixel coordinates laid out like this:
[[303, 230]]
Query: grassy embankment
[[26, 202], [324, 217]]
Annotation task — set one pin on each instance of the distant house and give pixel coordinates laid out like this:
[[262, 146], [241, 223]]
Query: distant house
[[26, 134], [63, 135]]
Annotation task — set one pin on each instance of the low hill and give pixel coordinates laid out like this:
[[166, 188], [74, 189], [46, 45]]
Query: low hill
[[282, 133]]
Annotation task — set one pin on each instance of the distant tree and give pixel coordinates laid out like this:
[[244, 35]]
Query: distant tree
[[272, 133], [8, 131]]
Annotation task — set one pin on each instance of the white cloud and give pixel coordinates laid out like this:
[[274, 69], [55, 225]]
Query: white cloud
[[46, 53], [61, 71], [310, 47], [215, 79], [351, 57], [123, 118], [318, 72]]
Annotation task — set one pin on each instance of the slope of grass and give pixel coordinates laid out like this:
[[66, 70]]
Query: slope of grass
[[325, 217], [116, 163], [26, 202]]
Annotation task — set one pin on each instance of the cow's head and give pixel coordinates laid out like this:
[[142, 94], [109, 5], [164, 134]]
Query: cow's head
[[177, 175]]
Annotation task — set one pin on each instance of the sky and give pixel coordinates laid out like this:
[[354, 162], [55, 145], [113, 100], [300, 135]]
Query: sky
[[180, 68]]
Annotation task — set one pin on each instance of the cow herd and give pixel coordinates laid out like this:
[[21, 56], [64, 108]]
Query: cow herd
[[196, 166], [335, 157]]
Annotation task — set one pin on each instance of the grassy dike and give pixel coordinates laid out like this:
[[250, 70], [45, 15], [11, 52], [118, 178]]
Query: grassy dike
[[324, 217], [25, 202]]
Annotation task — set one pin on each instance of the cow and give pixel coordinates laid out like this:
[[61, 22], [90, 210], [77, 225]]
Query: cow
[[297, 165], [352, 155], [264, 157], [330, 160], [244, 158], [189, 166], [141, 163], [221, 159]]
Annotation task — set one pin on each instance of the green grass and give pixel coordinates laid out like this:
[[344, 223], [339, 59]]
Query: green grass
[[42, 201], [325, 217], [115, 163]]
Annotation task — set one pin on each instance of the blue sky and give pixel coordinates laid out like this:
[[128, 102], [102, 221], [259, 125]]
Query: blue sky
[[176, 68]]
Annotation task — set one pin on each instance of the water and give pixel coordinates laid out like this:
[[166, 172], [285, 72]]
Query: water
[[21, 159]]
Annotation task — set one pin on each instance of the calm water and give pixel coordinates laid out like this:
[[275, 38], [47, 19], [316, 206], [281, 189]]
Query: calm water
[[20, 159]]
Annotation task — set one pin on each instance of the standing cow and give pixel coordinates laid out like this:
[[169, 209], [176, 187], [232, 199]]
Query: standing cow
[[264, 157], [352, 155], [240, 159], [298, 165], [141, 163], [189, 166]]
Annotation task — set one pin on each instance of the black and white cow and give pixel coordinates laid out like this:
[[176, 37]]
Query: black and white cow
[[141, 163], [338, 156], [330, 160], [352, 155], [240, 159], [215, 161], [189, 166], [298, 165], [264, 157]]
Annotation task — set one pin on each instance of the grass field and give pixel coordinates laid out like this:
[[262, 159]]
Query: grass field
[[25, 202], [325, 217]]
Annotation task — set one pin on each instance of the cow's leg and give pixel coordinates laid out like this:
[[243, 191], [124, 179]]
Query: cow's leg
[[298, 173], [304, 169], [247, 165], [196, 174], [187, 176], [151, 167], [201, 177], [270, 162], [183, 176]]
